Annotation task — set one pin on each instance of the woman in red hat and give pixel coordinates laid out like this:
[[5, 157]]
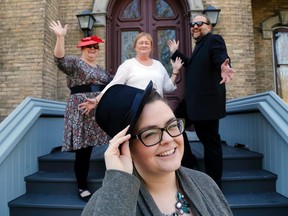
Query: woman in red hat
[[85, 79]]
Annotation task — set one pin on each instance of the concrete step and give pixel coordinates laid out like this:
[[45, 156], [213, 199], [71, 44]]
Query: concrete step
[[59, 183], [250, 191], [234, 159], [64, 161], [258, 204], [46, 205], [248, 181]]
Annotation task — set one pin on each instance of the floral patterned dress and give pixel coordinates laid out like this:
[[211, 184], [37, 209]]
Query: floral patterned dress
[[81, 131]]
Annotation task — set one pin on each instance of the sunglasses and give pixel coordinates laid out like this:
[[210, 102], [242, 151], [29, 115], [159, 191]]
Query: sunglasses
[[95, 46], [199, 23]]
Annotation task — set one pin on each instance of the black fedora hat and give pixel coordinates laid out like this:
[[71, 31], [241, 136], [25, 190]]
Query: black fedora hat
[[120, 106]]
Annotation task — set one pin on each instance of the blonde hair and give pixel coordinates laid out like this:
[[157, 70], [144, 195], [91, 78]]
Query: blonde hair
[[143, 34]]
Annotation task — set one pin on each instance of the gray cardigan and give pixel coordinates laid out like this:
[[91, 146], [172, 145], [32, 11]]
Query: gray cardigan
[[123, 194]]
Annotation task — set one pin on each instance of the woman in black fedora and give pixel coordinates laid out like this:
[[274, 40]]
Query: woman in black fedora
[[144, 176]]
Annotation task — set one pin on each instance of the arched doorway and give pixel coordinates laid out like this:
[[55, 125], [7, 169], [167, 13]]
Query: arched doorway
[[163, 19]]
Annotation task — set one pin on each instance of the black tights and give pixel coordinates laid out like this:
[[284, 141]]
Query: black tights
[[81, 166]]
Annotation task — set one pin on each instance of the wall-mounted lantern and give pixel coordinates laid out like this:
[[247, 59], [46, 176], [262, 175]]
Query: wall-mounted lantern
[[86, 22], [212, 13]]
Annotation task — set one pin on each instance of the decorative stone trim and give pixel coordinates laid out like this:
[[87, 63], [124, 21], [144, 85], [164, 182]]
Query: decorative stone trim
[[284, 17], [100, 11], [279, 20]]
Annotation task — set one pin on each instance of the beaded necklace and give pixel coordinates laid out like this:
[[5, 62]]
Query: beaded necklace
[[182, 206]]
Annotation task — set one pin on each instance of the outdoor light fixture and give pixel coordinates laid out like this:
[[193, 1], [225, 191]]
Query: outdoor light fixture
[[212, 13], [86, 22]]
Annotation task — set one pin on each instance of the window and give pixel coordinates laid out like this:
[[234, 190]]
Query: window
[[132, 11], [280, 38]]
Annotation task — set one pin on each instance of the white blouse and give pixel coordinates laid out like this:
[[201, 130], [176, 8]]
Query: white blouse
[[133, 73]]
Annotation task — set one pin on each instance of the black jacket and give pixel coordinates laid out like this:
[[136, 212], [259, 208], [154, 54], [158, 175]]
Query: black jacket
[[204, 96]]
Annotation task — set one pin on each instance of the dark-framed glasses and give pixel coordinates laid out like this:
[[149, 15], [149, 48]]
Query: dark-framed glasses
[[198, 23], [153, 136]]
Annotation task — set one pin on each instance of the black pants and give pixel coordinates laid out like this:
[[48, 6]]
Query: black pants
[[208, 134], [81, 166], [189, 160]]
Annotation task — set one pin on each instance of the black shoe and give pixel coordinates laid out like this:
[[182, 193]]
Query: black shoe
[[85, 195]]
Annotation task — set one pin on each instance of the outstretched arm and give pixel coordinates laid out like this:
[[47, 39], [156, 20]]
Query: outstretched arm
[[227, 72], [174, 49], [90, 104], [60, 32], [173, 45], [176, 65]]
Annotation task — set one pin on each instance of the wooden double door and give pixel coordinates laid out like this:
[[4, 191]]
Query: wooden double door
[[163, 19]]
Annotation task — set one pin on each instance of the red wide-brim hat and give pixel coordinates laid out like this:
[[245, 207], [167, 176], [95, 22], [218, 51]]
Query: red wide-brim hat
[[89, 41]]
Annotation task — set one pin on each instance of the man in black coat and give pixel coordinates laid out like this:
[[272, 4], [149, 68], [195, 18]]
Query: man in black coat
[[206, 72]]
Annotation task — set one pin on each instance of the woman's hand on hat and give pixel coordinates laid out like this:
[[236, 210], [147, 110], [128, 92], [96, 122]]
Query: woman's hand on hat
[[87, 106], [119, 159], [58, 29]]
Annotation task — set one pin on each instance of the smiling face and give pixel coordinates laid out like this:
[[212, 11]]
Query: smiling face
[[89, 53], [200, 31], [164, 157], [143, 46]]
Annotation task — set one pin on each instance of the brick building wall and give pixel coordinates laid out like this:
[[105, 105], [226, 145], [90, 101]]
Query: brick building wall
[[26, 43], [263, 47], [22, 51], [234, 25]]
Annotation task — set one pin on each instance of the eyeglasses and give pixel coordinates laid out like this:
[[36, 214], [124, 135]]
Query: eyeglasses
[[198, 23], [153, 136], [95, 46]]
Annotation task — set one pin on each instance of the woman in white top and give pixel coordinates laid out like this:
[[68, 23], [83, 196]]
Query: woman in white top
[[138, 71]]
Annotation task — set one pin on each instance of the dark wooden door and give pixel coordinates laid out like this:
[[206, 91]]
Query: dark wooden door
[[163, 19]]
